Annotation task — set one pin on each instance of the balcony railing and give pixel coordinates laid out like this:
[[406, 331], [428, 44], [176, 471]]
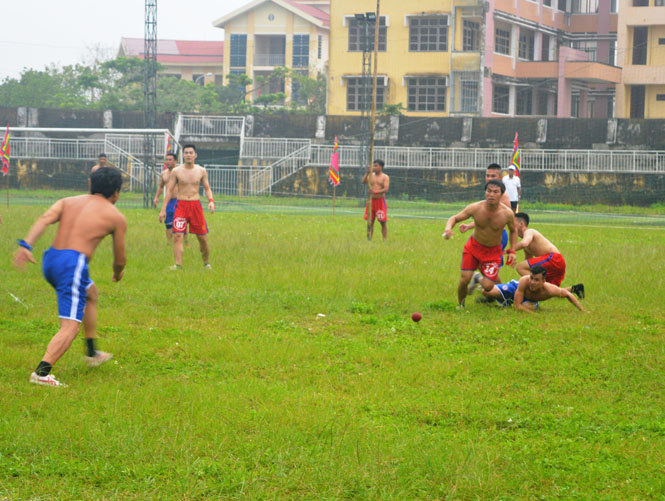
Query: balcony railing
[[269, 59]]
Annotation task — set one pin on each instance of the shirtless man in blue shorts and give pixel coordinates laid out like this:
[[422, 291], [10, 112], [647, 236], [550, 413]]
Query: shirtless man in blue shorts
[[526, 293], [170, 163], [84, 221]]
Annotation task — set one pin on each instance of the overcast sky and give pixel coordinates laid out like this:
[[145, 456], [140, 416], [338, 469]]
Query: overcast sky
[[36, 33]]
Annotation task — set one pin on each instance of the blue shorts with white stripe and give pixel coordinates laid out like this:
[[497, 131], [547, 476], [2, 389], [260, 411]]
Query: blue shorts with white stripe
[[67, 271]]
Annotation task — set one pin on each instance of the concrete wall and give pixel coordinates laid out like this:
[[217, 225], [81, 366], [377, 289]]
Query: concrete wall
[[570, 133]]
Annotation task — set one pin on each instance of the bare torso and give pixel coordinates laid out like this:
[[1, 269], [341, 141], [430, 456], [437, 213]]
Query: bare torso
[[539, 245], [84, 221], [490, 222], [548, 291], [188, 181], [378, 182]]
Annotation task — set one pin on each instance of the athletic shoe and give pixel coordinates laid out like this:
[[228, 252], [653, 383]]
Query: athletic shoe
[[207, 266], [99, 358], [460, 307], [175, 267], [474, 283], [578, 289], [46, 380]]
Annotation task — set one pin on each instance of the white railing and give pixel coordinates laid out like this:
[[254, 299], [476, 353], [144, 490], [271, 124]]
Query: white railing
[[628, 161], [289, 165], [269, 59], [130, 165], [229, 180], [134, 143], [49, 148], [210, 126], [271, 148]]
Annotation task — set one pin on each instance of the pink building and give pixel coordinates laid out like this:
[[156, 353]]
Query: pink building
[[549, 58]]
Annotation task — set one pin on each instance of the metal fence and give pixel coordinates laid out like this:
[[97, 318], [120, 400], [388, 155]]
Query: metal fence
[[230, 180], [49, 148], [211, 126], [271, 148]]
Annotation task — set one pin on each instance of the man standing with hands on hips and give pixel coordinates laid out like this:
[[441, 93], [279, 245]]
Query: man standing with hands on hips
[[513, 188], [188, 178]]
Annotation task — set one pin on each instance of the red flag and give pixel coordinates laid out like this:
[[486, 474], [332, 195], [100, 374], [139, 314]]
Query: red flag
[[4, 152], [334, 165]]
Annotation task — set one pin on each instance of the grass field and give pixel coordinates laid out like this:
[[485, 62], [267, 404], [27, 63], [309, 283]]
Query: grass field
[[229, 384]]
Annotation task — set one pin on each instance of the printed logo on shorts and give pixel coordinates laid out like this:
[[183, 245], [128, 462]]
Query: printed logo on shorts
[[489, 269], [380, 214], [505, 287], [180, 223]]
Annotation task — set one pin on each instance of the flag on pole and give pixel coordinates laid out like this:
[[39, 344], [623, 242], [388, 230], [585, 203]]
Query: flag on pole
[[334, 165], [516, 156], [4, 152]]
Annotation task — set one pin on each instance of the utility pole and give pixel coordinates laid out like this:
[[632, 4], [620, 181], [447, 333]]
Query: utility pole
[[149, 99], [365, 90]]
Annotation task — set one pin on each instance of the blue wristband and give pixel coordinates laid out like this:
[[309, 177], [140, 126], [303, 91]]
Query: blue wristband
[[23, 243]]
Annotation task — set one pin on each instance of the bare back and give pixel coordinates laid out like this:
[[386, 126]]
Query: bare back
[[84, 221], [188, 181], [489, 222], [539, 245]]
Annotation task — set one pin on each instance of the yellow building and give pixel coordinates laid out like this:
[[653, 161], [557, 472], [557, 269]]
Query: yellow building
[[641, 54], [267, 34], [422, 58]]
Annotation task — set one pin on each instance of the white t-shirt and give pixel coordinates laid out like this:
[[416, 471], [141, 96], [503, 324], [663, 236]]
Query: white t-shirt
[[511, 187]]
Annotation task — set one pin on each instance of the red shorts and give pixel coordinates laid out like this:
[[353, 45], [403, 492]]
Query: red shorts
[[189, 212], [480, 257], [554, 264], [379, 209]]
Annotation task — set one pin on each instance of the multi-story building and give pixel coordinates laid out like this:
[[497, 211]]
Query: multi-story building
[[267, 34], [199, 61], [478, 58], [641, 37]]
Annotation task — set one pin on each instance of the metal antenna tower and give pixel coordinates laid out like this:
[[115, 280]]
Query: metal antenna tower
[[366, 92], [149, 98]]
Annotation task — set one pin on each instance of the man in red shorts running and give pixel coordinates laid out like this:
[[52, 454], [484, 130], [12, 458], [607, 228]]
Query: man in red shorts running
[[188, 178], [378, 187], [483, 250], [539, 251]]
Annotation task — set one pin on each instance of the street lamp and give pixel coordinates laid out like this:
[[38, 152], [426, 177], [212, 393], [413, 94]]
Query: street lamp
[[209, 74]]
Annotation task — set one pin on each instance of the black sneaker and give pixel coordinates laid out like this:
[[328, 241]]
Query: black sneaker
[[578, 289]]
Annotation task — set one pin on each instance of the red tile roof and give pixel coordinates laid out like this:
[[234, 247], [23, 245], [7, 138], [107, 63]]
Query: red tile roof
[[178, 51], [322, 16]]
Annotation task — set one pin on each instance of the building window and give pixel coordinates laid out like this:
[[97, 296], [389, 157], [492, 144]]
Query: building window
[[469, 96], [501, 99], [543, 103], [320, 49], [427, 94], [659, 3], [588, 46], [640, 3], [660, 97], [428, 34], [238, 51], [527, 44], [198, 78], [545, 48], [300, 51], [502, 41], [613, 53], [355, 94], [523, 101], [637, 101], [562, 5], [547, 3], [471, 36], [640, 41], [575, 106], [357, 35], [613, 10]]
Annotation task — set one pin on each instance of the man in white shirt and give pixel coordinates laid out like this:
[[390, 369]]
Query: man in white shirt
[[513, 188]]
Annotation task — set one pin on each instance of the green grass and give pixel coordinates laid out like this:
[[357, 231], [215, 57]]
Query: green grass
[[229, 385]]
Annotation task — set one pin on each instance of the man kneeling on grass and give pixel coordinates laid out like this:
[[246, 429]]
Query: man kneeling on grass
[[526, 294]]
